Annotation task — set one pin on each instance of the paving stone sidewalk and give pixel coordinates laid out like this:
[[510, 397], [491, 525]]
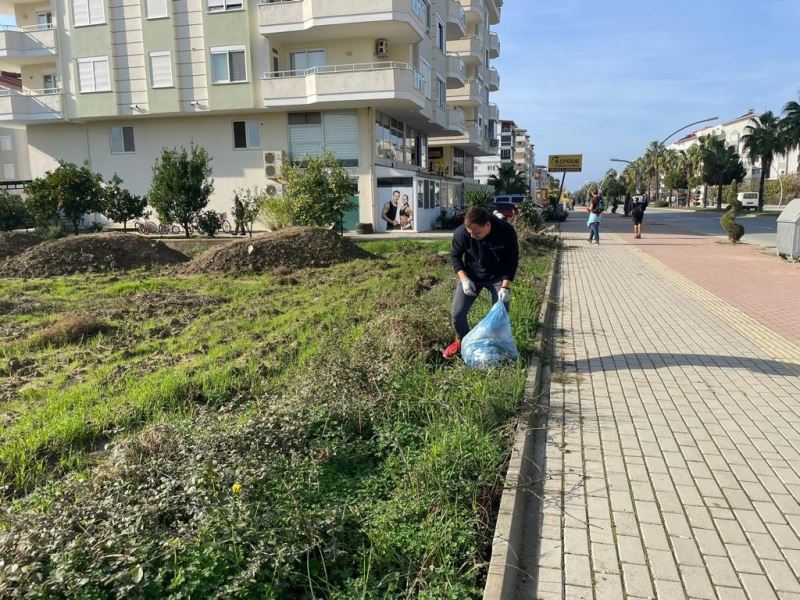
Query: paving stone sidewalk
[[673, 440]]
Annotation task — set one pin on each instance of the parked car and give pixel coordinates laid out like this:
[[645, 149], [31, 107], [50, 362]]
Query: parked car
[[514, 198], [748, 200], [507, 209]]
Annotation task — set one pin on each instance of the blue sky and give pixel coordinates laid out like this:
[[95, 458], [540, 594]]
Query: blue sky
[[605, 78]]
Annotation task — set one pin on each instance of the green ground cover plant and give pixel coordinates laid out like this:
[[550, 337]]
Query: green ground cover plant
[[287, 435]]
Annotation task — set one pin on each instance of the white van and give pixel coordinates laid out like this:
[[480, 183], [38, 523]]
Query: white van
[[748, 200]]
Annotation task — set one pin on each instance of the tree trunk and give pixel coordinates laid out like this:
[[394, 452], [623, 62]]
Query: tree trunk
[[75, 225], [764, 172], [186, 229], [719, 197], [705, 194], [124, 226]]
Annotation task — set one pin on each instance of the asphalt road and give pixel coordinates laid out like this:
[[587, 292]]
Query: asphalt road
[[759, 230]]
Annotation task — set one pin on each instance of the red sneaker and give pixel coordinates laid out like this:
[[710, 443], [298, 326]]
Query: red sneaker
[[451, 351]]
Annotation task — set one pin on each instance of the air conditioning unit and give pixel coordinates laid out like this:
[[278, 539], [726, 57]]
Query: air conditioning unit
[[274, 190], [381, 48], [273, 161]]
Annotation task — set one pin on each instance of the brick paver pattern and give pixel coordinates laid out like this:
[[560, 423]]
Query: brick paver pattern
[[673, 452]]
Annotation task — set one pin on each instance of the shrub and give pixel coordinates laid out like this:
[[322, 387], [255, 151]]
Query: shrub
[[70, 190], [13, 212], [120, 205], [208, 222], [72, 329], [319, 191], [51, 232], [661, 204], [275, 213], [478, 197], [181, 185], [527, 213], [734, 230]]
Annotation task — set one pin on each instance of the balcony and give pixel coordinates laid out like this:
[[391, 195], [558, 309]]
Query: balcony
[[401, 21], [456, 71], [390, 85], [494, 45], [456, 20], [472, 140], [470, 48], [494, 112], [470, 94], [493, 11], [476, 12], [457, 121], [30, 106], [26, 45], [493, 80]]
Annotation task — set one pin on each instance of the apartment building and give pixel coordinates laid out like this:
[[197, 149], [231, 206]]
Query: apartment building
[[257, 83], [512, 146], [732, 132], [524, 156], [14, 166]]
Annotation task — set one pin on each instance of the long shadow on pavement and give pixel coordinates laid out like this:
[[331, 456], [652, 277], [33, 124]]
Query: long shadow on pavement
[[658, 360]]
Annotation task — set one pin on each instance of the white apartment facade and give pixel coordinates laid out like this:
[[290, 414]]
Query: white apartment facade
[[732, 132], [512, 145], [14, 167], [256, 83]]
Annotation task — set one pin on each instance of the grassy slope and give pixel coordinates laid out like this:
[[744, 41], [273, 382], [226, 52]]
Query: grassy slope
[[380, 472]]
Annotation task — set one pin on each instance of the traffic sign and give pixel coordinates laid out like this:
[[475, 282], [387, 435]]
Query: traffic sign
[[565, 163]]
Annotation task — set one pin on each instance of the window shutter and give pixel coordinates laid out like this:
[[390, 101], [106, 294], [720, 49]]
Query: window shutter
[[96, 11], [5, 142], [8, 171], [127, 139], [101, 75], [117, 145], [341, 134], [305, 140], [156, 9], [86, 75], [80, 12], [214, 5], [253, 134], [238, 69], [219, 66], [160, 69]]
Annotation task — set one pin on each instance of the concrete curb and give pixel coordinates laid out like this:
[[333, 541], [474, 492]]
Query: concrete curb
[[504, 568]]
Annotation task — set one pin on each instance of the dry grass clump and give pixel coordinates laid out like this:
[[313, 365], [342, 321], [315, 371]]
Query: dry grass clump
[[72, 329]]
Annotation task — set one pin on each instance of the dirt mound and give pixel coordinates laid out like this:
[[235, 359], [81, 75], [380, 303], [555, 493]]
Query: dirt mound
[[86, 253], [285, 250], [15, 242]]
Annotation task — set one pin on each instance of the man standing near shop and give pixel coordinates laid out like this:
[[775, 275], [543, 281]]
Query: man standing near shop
[[485, 254]]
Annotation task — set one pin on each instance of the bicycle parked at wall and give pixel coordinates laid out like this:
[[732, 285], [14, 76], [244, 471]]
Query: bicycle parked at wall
[[146, 226]]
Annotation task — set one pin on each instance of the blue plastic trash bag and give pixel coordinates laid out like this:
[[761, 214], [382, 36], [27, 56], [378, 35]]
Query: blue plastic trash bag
[[491, 341]]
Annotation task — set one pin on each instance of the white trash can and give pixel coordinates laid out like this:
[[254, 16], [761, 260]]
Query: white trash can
[[788, 245]]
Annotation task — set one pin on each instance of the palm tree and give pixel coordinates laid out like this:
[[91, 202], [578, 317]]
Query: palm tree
[[651, 157], [670, 161], [790, 124], [763, 140], [509, 181], [722, 165]]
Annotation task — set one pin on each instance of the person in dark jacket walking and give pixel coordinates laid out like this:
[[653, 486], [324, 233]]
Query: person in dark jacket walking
[[638, 206], [484, 254]]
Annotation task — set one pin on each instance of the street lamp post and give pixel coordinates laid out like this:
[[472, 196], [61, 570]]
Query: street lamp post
[[780, 182], [638, 172], [662, 142]]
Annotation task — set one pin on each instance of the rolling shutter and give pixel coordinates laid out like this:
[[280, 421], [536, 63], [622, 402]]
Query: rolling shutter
[[305, 140], [96, 11], [80, 12], [86, 75], [160, 69], [341, 135], [156, 9], [102, 79]]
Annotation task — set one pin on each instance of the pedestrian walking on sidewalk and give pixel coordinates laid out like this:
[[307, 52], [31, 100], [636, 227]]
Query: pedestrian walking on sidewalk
[[638, 206], [484, 254], [595, 208]]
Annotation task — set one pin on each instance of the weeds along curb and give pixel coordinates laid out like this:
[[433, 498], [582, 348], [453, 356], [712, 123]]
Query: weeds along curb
[[518, 498]]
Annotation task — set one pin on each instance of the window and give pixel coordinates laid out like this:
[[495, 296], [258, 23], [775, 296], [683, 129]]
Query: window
[[160, 69], [441, 92], [336, 130], [122, 140], [246, 135], [425, 71], [5, 142], [228, 64], [156, 9], [93, 74], [44, 19], [223, 5], [88, 12], [49, 82], [276, 64], [306, 59], [440, 35], [8, 171], [505, 154]]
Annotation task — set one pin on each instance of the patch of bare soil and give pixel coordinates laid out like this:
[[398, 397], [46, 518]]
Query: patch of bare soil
[[285, 250], [15, 242], [72, 329], [90, 253]]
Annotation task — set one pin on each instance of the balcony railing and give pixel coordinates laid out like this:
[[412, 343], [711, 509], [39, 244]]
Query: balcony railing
[[30, 105], [494, 45], [456, 71], [349, 82], [471, 48], [457, 119], [456, 20], [475, 10], [493, 80]]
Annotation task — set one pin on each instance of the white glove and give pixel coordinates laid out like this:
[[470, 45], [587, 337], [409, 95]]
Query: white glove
[[468, 287], [504, 295]]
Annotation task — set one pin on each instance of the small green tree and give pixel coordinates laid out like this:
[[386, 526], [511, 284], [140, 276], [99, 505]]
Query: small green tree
[[208, 222], [318, 191], [478, 197], [734, 230], [13, 212], [69, 191], [120, 205], [182, 185], [721, 165]]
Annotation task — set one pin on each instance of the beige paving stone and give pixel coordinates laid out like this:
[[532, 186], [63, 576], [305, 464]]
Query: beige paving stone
[[630, 550], [669, 589], [781, 576], [709, 542], [743, 559], [764, 546], [608, 587], [686, 551], [578, 593], [730, 593], [757, 587], [720, 569], [577, 570], [604, 558], [637, 580], [662, 564], [697, 582]]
